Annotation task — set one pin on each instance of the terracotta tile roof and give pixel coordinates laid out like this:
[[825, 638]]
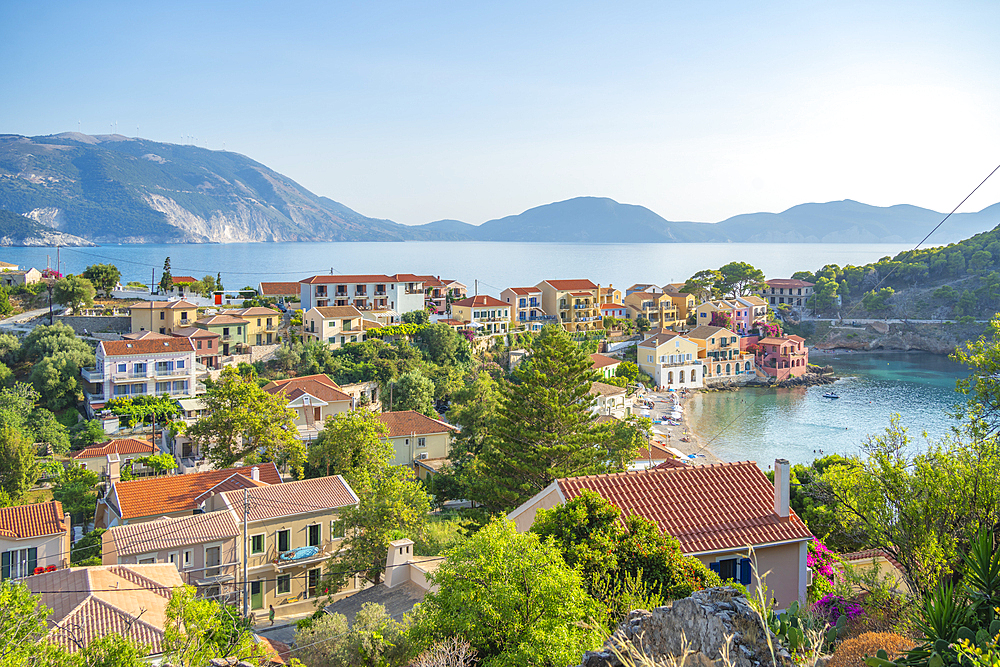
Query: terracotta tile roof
[[279, 289], [183, 279], [256, 311], [752, 300], [141, 538], [571, 284], [351, 279], [787, 282], [654, 452], [130, 600], [707, 508], [602, 361], [150, 345], [33, 520], [873, 554], [408, 422], [220, 319], [231, 483], [368, 324], [122, 446], [328, 312], [434, 465], [319, 386], [277, 652], [176, 493], [431, 281], [169, 305], [301, 497], [658, 339], [581, 294], [780, 341], [706, 331], [194, 332], [525, 290], [483, 300], [605, 389], [143, 335], [671, 463]]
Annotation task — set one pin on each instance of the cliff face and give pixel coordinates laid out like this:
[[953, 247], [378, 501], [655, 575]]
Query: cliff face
[[935, 338]]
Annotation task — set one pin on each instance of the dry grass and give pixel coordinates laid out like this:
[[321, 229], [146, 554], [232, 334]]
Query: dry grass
[[852, 652]]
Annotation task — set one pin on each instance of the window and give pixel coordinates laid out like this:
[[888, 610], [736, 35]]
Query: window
[[284, 584], [649, 358], [180, 362], [239, 330], [312, 581], [315, 535], [139, 368], [199, 344], [257, 544], [162, 387], [147, 560], [180, 387], [213, 558], [122, 368], [188, 558], [283, 539], [174, 559], [336, 530], [421, 442], [162, 315], [258, 321], [19, 563]]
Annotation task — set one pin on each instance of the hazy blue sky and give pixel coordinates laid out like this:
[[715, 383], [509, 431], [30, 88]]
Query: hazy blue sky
[[426, 110]]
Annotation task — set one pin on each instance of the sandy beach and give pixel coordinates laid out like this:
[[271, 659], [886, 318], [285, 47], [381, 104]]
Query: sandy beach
[[666, 435]]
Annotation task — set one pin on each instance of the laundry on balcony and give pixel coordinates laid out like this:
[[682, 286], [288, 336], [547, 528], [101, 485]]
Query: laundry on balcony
[[298, 554]]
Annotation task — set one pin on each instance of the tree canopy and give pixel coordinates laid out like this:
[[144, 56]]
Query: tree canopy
[[103, 276], [75, 292]]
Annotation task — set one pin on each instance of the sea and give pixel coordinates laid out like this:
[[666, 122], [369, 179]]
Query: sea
[[799, 424], [760, 425], [488, 267]]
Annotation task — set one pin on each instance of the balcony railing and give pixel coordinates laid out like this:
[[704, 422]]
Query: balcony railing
[[92, 374], [173, 372]]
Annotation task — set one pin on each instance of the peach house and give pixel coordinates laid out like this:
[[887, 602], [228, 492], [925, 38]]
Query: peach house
[[784, 357], [728, 515]]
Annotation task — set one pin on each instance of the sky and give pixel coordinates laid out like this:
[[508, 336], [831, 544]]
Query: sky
[[419, 111]]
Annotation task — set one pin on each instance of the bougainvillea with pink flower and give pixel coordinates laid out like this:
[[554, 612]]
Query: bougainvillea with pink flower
[[821, 561]]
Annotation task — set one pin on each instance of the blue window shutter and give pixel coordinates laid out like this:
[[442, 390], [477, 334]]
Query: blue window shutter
[[745, 571], [714, 567]]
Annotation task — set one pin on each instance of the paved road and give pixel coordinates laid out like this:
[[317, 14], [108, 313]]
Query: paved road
[[20, 321]]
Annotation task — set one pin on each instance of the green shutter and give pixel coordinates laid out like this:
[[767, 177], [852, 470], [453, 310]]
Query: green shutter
[[32, 560], [5, 572]]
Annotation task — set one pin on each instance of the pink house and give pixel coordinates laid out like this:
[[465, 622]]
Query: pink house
[[783, 357]]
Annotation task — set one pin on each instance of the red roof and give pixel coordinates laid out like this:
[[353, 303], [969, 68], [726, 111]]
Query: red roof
[[525, 290], [302, 497], [602, 361], [177, 493], [319, 386], [123, 446], [787, 282], [123, 348], [571, 284], [184, 279], [481, 301], [408, 422], [279, 289], [707, 508], [169, 305], [363, 278], [33, 520]]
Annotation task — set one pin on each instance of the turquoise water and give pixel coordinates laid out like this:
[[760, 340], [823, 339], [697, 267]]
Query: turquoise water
[[495, 265], [797, 424]]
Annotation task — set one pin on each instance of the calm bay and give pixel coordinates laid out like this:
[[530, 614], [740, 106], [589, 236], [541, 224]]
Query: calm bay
[[495, 265]]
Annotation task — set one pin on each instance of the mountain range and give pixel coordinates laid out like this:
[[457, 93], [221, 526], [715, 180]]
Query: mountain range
[[74, 188]]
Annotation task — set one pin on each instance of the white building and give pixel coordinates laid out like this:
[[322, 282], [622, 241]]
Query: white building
[[155, 365], [400, 293]]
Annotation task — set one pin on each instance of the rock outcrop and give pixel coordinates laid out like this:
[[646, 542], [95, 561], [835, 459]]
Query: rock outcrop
[[937, 338], [715, 627]]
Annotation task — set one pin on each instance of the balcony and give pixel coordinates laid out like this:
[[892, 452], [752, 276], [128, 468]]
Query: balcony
[[227, 337], [173, 372], [584, 306], [129, 377], [92, 374]]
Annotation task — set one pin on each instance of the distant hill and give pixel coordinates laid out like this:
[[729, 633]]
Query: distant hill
[[602, 220], [17, 230], [115, 189]]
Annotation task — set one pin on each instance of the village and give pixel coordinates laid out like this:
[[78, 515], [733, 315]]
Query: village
[[204, 473]]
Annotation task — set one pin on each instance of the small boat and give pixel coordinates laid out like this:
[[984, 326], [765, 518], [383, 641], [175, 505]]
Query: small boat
[[831, 394]]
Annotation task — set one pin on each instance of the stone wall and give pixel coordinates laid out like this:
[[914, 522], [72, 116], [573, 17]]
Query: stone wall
[[97, 324], [715, 627]]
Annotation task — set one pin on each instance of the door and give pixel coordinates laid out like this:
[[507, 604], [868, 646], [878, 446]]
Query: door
[[256, 595]]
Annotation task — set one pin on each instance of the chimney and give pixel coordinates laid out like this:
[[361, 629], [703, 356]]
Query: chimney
[[400, 553], [255, 474], [599, 300], [662, 327], [781, 487], [114, 468]]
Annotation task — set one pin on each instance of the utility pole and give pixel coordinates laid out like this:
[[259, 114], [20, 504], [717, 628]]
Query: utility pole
[[477, 287], [58, 262], [246, 584]]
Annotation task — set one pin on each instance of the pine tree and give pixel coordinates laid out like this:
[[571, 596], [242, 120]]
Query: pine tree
[[166, 280], [545, 428]]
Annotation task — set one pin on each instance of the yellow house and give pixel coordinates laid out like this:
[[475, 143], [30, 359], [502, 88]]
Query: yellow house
[[262, 324], [672, 360], [415, 437], [292, 530], [95, 457], [684, 303], [719, 350], [333, 325], [716, 512], [610, 295], [314, 398], [574, 303], [483, 313], [162, 316], [657, 307]]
